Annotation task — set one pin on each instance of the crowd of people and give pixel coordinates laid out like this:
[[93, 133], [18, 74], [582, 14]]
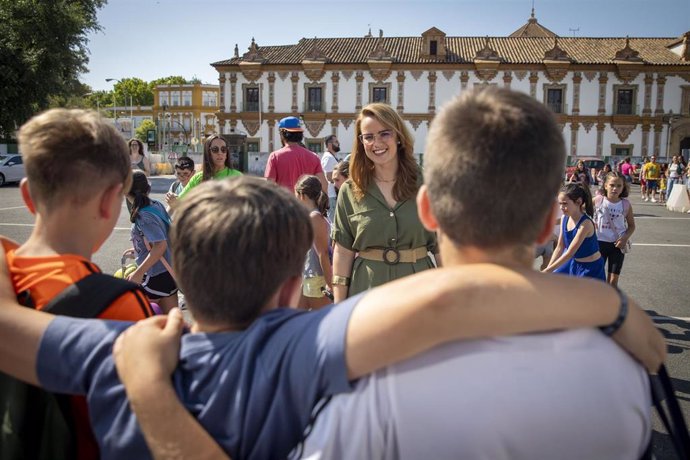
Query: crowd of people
[[397, 364]]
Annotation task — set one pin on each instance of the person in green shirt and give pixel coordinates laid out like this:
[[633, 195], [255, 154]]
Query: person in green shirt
[[216, 165], [377, 232]]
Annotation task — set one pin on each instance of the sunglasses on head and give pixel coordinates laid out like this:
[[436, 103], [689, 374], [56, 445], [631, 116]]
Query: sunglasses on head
[[216, 149], [183, 166]]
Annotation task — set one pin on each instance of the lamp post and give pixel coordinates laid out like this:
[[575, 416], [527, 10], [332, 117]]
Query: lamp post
[[131, 106]]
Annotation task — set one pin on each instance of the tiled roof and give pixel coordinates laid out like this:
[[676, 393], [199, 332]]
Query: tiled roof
[[512, 50], [532, 29]]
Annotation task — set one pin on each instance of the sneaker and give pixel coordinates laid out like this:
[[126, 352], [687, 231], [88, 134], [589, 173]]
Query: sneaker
[[653, 200], [646, 198]]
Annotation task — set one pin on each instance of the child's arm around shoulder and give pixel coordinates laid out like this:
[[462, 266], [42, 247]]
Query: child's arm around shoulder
[[411, 315], [21, 330]]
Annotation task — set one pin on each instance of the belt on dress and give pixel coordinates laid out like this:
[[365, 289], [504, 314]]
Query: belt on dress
[[393, 256]]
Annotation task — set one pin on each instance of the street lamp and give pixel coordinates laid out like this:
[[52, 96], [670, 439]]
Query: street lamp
[[131, 106]]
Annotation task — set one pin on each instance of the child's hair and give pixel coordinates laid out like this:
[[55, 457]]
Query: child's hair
[[252, 219], [310, 186], [474, 146], [343, 169], [615, 175], [362, 168], [207, 167], [64, 150], [579, 191], [139, 192]]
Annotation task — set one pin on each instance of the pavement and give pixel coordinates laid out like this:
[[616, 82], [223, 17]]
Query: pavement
[[655, 274]]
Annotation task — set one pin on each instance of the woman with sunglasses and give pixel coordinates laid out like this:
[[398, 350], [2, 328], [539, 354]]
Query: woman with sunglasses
[[217, 164], [376, 213]]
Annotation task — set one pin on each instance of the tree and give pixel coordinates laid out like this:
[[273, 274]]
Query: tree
[[42, 52], [143, 128], [172, 80], [140, 92]]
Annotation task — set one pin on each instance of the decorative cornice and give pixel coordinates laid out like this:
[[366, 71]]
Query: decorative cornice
[[623, 131], [627, 53], [251, 70], [314, 127], [380, 62], [520, 74], [416, 74], [556, 53], [315, 53], [251, 126], [590, 75], [487, 53], [254, 54]]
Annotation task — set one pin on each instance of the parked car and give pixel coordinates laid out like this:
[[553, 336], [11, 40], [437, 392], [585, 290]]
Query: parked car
[[592, 164], [11, 168]]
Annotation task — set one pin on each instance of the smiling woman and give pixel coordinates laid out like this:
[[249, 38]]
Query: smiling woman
[[376, 213]]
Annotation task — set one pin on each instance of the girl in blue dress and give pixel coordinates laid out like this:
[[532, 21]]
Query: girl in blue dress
[[577, 251]]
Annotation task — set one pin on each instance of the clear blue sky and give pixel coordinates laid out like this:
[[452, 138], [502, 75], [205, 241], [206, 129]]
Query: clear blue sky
[[150, 39]]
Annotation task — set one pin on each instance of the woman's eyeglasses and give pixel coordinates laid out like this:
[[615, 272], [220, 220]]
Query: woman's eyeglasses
[[216, 149], [370, 138]]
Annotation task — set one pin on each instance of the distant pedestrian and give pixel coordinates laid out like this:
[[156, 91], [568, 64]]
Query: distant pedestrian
[[184, 169], [217, 165], [137, 157], [652, 173], [577, 251], [329, 160], [341, 173], [675, 174], [626, 168], [615, 223], [287, 164]]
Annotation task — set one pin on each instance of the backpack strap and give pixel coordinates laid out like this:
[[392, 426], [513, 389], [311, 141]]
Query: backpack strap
[[156, 212], [672, 415], [88, 297]]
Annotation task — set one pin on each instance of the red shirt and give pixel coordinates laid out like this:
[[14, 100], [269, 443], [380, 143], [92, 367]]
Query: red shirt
[[286, 165]]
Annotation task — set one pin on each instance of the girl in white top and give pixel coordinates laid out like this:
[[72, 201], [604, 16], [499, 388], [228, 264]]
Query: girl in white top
[[614, 220]]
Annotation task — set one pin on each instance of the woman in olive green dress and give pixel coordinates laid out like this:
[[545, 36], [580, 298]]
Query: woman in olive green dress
[[377, 234]]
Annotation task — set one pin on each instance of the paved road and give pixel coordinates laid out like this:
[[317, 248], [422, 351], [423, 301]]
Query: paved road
[[655, 273]]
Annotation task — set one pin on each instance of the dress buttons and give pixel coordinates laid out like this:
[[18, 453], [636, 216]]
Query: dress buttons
[[392, 215]]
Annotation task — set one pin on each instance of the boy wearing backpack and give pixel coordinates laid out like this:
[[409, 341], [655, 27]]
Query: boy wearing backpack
[[78, 169]]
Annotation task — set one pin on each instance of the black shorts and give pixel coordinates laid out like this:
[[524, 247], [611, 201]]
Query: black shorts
[[159, 286], [613, 255]]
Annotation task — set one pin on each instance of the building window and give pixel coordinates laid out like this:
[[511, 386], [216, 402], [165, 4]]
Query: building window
[[209, 99], [251, 98], [622, 150], [554, 98], [163, 98], [380, 92], [433, 47], [187, 98], [314, 97], [315, 145], [624, 100], [253, 146], [175, 98]]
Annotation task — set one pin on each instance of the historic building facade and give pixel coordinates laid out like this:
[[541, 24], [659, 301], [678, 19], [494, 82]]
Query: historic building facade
[[612, 96], [185, 113]]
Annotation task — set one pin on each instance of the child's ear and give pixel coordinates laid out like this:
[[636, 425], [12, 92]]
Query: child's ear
[[426, 215], [111, 200], [26, 195], [288, 296]]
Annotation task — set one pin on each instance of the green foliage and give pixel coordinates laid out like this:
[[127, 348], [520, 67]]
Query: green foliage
[[172, 80], [140, 92], [42, 52], [140, 132]]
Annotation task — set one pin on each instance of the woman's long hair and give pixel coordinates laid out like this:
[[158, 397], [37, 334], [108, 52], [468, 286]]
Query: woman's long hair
[[139, 192], [208, 170], [362, 168]]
